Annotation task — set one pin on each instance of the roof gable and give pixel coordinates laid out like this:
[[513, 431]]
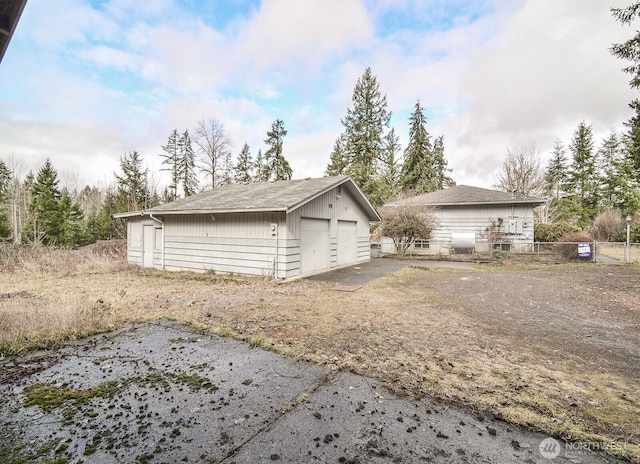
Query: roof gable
[[468, 195], [284, 195]]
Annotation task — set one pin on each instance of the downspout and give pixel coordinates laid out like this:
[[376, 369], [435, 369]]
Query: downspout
[[275, 270], [161, 240]]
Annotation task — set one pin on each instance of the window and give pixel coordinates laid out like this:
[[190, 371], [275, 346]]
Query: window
[[419, 243], [503, 246]]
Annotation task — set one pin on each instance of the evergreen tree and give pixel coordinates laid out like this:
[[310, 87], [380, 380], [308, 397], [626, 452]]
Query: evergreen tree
[[187, 165], [5, 183], [630, 51], [242, 170], [582, 179], [72, 230], [556, 172], [276, 166], [338, 163], [418, 171], [441, 178], [618, 178], [362, 141], [226, 170], [172, 161], [45, 220], [258, 168], [132, 185], [390, 170]]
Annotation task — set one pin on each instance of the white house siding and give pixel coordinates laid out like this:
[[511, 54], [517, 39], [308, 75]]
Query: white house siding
[[476, 219], [334, 207], [240, 242]]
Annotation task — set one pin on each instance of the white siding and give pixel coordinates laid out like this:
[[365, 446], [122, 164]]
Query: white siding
[[244, 243], [517, 227]]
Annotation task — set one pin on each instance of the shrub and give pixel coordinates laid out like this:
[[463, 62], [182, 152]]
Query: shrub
[[552, 232], [568, 247], [609, 226]]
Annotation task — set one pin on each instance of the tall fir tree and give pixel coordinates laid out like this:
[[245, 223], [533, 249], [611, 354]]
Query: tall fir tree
[[132, 184], [45, 220], [5, 183], [276, 166], [582, 180], [441, 178], [171, 159], [338, 162], [418, 169], [362, 140], [187, 165], [630, 51], [258, 168], [72, 228], [242, 171], [618, 178], [556, 172], [390, 169]]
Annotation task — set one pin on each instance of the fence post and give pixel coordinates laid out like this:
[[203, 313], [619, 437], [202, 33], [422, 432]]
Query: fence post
[[595, 252]]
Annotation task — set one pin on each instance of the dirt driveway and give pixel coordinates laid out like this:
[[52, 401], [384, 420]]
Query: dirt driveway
[[554, 348]]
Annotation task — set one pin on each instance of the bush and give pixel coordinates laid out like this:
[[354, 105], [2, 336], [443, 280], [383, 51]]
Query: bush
[[552, 232], [609, 226], [635, 232], [569, 249]]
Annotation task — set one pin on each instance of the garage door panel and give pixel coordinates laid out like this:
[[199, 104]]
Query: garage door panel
[[314, 244], [347, 242]]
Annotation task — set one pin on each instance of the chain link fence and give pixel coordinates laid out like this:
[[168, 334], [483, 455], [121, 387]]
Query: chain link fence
[[596, 252]]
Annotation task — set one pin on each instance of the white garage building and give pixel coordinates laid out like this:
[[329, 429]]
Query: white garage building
[[281, 229]]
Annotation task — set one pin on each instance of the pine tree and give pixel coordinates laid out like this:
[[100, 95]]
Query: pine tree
[[187, 165], [258, 168], [582, 179], [132, 185], [244, 166], [172, 162], [390, 170], [441, 166], [225, 175], [5, 182], [418, 171], [362, 141], [556, 172], [276, 166], [630, 51], [618, 178], [72, 230], [338, 162], [45, 221]]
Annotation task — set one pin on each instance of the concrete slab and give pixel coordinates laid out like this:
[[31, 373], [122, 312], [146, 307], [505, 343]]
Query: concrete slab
[[362, 273], [160, 393]]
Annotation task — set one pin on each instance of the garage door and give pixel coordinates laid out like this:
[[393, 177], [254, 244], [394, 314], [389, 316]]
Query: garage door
[[314, 244], [347, 242]]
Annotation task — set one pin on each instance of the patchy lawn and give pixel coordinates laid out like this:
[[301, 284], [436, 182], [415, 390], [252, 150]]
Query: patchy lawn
[[554, 348]]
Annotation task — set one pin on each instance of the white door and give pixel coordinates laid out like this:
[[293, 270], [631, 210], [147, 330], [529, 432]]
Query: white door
[[347, 242], [314, 244], [148, 235]]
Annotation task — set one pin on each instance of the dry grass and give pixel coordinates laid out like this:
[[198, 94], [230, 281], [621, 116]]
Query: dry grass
[[404, 329], [617, 252]]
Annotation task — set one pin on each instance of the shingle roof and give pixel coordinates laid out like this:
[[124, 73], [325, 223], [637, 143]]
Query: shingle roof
[[285, 195], [466, 195]]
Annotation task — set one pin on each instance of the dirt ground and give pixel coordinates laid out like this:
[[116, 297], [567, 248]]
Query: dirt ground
[[552, 348]]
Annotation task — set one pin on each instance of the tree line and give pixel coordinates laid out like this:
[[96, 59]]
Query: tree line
[[36, 209]]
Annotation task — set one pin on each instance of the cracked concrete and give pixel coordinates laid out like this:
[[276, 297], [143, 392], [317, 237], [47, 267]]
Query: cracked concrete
[[161, 393]]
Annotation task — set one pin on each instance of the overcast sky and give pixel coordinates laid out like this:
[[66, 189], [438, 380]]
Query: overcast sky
[[84, 82]]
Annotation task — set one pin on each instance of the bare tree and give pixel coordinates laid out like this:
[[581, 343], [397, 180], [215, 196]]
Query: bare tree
[[405, 221], [214, 146], [522, 172]]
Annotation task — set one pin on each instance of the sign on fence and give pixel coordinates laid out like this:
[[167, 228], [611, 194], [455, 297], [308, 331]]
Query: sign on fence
[[584, 250]]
